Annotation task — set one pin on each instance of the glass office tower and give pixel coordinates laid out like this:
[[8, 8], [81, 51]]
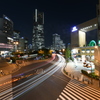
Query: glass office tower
[[38, 30]]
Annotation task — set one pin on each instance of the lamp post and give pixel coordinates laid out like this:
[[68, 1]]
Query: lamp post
[[99, 66], [63, 51]]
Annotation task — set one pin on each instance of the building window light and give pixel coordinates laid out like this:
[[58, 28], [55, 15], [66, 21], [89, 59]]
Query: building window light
[[92, 51], [88, 51], [95, 24], [83, 51]]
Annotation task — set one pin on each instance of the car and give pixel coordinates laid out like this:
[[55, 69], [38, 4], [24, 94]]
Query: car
[[87, 65], [84, 62]]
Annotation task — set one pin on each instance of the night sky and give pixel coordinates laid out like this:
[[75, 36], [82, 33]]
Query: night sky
[[59, 15]]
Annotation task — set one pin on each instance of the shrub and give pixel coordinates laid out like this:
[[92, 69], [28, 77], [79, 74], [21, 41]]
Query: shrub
[[84, 72], [15, 58], [92, 75]]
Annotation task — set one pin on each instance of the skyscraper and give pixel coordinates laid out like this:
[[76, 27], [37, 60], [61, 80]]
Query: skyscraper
[[57, 42], [38, 30], [6, 32], [6, 26]]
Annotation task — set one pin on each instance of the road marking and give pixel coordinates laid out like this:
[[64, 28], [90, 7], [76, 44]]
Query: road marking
[[75, 90]]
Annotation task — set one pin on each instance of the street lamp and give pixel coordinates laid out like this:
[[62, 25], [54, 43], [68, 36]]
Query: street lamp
[[96, 47]]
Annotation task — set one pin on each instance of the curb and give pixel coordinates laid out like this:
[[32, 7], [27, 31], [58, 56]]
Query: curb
[[83, 81]]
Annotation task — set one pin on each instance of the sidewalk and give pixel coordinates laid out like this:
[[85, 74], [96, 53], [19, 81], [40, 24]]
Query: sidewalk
[[6, 70], [73, 70]]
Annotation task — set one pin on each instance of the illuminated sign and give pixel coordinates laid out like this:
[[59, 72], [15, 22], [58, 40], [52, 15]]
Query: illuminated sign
[[74, 29], [92, 43], [7, 18], [98, 42]]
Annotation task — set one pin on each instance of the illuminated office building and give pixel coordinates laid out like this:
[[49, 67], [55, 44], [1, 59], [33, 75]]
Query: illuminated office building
[[85, 41], [83, 33], [6, 26], [16, 35], [23, 44], [6, 32], [57, 42], [38, 31], [84, 38]]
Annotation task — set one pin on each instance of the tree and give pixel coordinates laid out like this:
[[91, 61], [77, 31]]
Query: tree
[[41, 52], [45, 52], [67, 53]]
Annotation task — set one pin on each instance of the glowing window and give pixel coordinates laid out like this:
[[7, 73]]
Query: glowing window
[[87, 51], [83, 51], [92, 51]]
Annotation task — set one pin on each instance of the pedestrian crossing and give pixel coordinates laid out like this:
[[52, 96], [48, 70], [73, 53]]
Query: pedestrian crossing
[[76, 90], [5, 87]]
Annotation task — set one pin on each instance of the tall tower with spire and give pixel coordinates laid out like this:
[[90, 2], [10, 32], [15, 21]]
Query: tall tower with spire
[[38, 30]]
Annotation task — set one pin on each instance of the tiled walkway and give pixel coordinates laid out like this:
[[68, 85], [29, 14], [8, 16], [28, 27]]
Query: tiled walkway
[[74, 71]]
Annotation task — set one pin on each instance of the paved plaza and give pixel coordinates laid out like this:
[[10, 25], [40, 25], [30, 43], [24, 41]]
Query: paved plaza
[[73, 68]]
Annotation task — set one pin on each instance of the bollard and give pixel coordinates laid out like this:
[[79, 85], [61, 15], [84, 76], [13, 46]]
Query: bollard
[[83, 80], [73, 76], [67, 73], [88, 81], [77, 78]]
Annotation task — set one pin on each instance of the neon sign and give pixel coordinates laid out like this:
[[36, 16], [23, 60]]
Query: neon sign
[[74, 29], [92, 43], [98, 42]]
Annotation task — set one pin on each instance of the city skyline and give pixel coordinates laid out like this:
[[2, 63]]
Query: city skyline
[[61, 60], [59, 16]]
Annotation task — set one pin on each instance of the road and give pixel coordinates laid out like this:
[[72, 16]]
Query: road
[[49, 89], [60, 87], [37, 79], [6, 81], [51, 84]]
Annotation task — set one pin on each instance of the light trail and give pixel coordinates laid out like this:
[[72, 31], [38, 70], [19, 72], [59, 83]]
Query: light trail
[[16, 78], [33, 82]]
